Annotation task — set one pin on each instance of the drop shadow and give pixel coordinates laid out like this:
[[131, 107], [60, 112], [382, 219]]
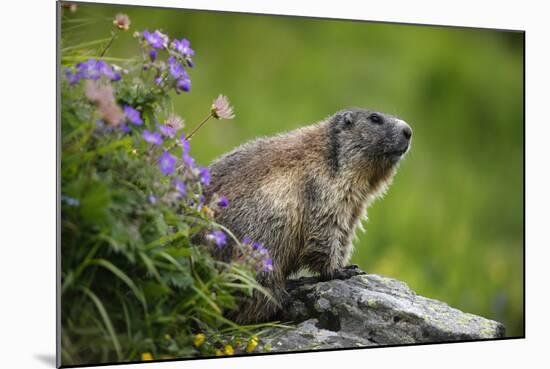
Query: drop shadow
[[47, 359]]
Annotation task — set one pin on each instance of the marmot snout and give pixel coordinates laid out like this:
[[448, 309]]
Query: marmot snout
[[303, 193]]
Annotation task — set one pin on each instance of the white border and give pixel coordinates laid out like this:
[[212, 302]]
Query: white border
[[27, 196]]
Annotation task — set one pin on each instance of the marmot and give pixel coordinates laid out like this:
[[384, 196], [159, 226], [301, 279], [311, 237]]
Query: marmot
[[302, 194]]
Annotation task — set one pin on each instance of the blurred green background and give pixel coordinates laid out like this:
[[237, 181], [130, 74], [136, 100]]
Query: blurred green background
[[451, 226]]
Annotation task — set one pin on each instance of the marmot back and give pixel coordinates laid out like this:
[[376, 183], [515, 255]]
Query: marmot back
[[303, 193]]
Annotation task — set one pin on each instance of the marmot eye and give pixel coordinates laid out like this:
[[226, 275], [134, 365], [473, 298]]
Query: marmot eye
[[375, 118]]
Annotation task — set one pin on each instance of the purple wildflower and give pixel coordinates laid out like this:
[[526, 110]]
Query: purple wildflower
[[223, 202], [268, 265], [167, 163], [89, 69], [156, 39], [158, 80], [133, 115], [218, 237], [176, 69], [187, 158], [183, 47], [256, 256], [263, 261], [167, 130], [94, 69], [183, 84], [107, 71], [180, 186], [152, 199], [152, 137], [72, 77], [153, 54], [124, 128], [185, 143], [112, 75], [202, 200], [204, 175]]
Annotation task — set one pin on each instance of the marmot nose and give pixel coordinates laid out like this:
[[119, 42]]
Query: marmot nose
[[407, 132]]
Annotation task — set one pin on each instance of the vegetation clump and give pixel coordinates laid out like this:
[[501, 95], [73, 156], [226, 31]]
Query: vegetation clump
[[133, 284]]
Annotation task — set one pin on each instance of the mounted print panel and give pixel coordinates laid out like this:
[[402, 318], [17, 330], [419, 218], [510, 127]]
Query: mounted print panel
[[217, 170]]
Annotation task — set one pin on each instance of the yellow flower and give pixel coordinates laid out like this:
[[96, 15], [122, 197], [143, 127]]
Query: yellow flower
[[207, 211], [252, 343], [146, 356], [219, 353], [167, 337], [228, 350], [199, 339]]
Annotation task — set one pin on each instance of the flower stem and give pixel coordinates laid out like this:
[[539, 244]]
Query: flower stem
[[109, 44], [199, 126]]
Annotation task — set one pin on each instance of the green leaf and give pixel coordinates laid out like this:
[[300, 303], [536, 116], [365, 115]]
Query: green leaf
[[106, 320], [95, 202], [154, 291], [166, 239], [150, 266], [178, 279], [123, 277], [84, 44], [178, 252], [207, 299]]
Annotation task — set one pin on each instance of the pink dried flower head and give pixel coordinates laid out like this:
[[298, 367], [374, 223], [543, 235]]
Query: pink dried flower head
[[71, 6], [175, 121], [112, 113], [221, 108], [102, 95], [122, 21], [97, 93]]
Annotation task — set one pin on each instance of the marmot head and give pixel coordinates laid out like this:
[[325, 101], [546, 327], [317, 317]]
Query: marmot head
[[362, 138]]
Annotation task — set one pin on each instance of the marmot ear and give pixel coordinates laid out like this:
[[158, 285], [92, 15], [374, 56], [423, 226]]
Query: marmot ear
[[348, 118]]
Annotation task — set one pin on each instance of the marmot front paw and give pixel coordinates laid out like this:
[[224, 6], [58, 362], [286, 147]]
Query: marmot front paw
[[343, 273]]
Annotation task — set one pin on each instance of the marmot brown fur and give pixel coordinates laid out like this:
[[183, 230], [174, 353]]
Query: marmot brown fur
[[302, 194]]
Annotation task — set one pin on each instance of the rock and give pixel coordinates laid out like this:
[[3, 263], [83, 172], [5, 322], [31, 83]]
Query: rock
[[360, 309]]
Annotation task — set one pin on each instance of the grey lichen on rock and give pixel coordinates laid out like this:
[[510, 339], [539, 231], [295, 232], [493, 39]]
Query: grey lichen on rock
[[370, 310]]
